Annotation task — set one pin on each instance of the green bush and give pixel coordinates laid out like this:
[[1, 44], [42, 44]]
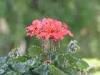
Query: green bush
[[63, 62]]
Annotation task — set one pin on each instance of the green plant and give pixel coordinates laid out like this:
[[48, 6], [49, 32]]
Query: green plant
[[50, 58], [61, 62]]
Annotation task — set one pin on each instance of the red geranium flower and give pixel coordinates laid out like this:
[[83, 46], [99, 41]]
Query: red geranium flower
[[48, 28]]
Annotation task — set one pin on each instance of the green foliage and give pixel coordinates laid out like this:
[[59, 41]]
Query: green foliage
[[65, 62], [81, 64], [34, 50], [78, 14], [56, 71]]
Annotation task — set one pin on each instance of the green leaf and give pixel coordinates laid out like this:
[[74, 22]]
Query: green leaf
[[34, 51], [21, 59], [20, 67], [12, 73], [42, 69], [82, 65], [3, 60], [55, 71], [2, 71]]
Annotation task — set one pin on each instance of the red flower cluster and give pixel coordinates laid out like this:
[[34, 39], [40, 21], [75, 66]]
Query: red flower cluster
[[48, 28]]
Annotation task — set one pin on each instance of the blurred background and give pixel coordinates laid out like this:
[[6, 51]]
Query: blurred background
[[82, 16]]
